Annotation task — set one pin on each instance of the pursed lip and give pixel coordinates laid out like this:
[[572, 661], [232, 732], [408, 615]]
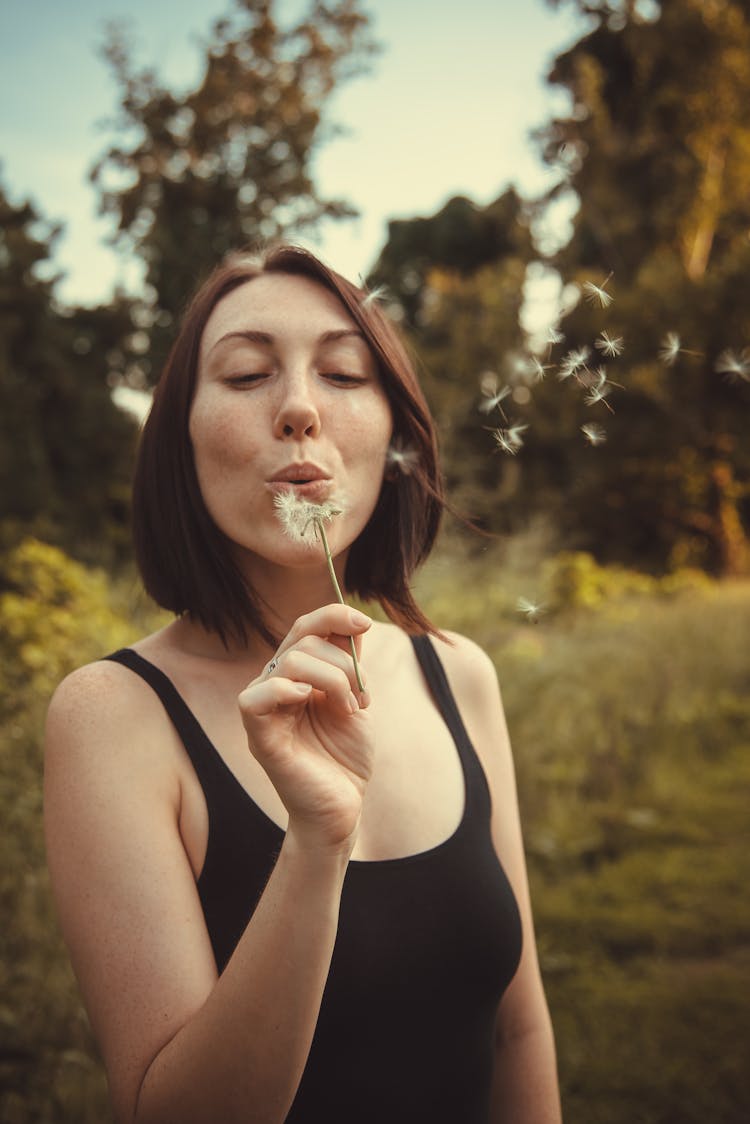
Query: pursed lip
[[300, 473]]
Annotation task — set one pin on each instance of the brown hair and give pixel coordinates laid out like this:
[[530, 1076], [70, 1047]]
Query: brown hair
[[186, 562]]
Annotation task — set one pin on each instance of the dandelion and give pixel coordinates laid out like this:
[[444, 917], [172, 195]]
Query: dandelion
[[301, 519], [594, 434], [509, 440], [734, 366], [597, 294], [401, 457], [610, 346], [670, 348], [304, 521], [530, 609], [554, 336]]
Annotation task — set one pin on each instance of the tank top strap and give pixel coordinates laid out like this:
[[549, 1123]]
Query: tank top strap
[[206, 760], [477, 789]]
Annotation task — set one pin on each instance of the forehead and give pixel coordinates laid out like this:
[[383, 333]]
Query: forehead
[[280, 304]]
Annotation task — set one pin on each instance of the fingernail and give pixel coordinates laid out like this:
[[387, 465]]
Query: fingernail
[[353, 704], [360, 619]]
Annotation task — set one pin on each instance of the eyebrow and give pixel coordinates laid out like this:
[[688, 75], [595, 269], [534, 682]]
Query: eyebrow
[[265, 339]]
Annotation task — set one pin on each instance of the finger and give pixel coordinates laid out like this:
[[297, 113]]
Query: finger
[[328, 620], [336, 650], [264, 697], [321, 674]]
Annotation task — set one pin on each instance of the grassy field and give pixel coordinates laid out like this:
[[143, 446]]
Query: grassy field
[[628, 701]]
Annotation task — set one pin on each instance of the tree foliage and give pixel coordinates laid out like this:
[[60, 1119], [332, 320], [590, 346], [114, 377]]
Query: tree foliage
[[456, 281], [230, 162], [656, 149], [65, 448], [655, 152]]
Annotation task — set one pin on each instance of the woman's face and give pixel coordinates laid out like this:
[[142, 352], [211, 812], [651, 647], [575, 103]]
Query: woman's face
[[288, 398]]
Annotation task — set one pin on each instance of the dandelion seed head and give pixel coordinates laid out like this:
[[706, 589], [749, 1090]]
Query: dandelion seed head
[[299, 517], [610, 346], [594, 433]]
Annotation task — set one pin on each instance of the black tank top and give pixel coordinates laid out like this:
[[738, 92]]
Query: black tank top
[[426, 944]]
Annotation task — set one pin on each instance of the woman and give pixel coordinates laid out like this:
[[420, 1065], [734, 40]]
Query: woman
[[287, 897]]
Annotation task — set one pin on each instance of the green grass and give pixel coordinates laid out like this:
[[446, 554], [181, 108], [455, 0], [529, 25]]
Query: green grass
[[629, 708]]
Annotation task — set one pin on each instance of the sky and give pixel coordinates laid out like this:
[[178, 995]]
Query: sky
[[446, 109]]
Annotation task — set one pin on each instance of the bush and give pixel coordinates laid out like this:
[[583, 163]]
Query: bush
[[54, 615]]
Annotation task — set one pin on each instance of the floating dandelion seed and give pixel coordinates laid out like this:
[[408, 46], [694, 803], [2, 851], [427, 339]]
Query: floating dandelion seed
[[379, 293], [304, 521], [735, 366], [487, 405], [509, 440], [536, 369], [610, 346], [402, 457], [670, 348], [597, 294], [599, 393], [594, 434], [554, 336], [532, 610], [493, 393], [572, 363]]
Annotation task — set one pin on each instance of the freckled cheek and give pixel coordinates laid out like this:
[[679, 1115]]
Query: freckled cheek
[[368, 431], [219, 437]]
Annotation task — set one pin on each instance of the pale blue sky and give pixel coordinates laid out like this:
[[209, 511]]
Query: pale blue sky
[[447, 109]]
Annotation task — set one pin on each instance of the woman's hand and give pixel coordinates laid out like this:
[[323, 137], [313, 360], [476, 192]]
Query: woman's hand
[[307, 726]]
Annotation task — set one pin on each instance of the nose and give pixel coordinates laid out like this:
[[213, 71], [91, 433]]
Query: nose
[[297, 413]]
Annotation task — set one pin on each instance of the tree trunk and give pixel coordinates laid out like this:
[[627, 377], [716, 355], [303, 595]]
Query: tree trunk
[[730, 542]]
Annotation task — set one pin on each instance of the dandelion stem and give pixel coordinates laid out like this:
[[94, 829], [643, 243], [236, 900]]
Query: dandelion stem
[[339, 596]]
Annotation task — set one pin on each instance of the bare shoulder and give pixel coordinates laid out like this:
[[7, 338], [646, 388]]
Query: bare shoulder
[[95, 712], [88, 689], [469, 668]]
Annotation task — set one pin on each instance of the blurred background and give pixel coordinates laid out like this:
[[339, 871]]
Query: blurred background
[[553, 201]]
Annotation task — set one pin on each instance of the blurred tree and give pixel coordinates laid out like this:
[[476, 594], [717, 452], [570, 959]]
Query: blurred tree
[[656, 150], [65, 448], [456, 280], [228, 163]]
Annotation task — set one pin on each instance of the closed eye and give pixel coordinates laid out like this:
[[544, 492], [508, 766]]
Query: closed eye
[[343, 379], [248, 378]]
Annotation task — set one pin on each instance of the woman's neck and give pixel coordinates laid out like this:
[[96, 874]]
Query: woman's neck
[[282, 594]]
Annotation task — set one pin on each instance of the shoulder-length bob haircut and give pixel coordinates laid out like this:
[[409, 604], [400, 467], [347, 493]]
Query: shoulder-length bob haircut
[[186, 562]]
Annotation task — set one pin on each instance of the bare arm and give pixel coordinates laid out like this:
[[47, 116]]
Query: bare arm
[[178, 1044], [525, 1087]]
